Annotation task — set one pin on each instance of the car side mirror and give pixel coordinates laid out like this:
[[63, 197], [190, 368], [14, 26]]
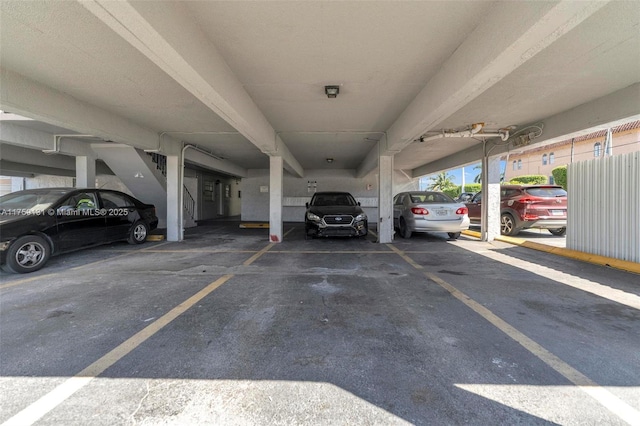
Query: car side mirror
[[306, 204], [359, 203]]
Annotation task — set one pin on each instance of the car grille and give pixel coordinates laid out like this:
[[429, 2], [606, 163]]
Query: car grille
[[342, 220]]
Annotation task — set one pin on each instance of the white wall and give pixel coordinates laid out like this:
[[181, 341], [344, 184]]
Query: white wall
[[48, 181], [255, 204], [604, 206], [111, 182]]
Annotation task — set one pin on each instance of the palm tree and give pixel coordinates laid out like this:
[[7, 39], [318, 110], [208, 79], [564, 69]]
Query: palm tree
[[478, 178], [441, 182]]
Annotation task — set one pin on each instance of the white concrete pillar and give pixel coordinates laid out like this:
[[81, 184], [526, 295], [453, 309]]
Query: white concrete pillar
[[490, 198], [175, 225], [276, 183], [385, 199], [85, 172]]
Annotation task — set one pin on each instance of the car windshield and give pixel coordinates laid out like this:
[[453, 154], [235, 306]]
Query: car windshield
[[333, 200], [26, 201], [547, 192], [430, 197]]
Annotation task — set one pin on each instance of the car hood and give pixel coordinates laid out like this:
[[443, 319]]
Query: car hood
[[330, 210]]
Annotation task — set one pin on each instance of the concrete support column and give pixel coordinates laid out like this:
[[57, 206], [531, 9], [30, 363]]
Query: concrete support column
[[385, 199], [276, 182], [175, 225], [490, 198], [85, 172]]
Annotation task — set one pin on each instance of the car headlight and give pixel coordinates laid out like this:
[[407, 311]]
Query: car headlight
[[361, 217], [314, 217]]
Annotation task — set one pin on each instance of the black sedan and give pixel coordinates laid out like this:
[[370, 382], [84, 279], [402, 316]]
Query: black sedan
[[36, 224], [335, 214]]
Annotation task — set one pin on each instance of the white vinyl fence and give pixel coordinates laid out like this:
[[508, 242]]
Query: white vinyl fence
[[604, 206]]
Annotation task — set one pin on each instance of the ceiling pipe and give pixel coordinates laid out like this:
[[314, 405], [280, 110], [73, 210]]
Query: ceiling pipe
[[56, 142], [473, 132]]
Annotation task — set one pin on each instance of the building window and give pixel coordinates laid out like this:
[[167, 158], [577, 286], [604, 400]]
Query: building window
[[544, 160], [514, 164], [596, 149], [552, 158], [519, 164]]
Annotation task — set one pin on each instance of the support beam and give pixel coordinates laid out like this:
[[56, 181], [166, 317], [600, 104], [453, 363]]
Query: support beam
[[487, 56], [175, 223], [32, 157], [34, 100], [10, 168], [85, 172], [14, 134], [619, 106], [385, 200], [276, 182], [223, 166], [165, 34], [490, 209]]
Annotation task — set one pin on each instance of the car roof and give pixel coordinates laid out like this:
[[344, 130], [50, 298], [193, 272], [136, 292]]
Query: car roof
[[332, 193], [544, 185]]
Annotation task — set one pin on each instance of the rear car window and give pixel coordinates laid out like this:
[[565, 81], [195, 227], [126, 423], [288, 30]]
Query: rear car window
[[112, 200], [547, 192], [433, 197]]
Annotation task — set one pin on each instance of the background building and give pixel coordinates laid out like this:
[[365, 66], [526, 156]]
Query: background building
[[542, 160]]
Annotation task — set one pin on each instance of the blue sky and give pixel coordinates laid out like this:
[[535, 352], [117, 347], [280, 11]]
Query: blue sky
[[470, 172]]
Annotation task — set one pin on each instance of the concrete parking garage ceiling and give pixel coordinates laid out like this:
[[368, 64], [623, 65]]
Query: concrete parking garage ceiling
[[245, 80]]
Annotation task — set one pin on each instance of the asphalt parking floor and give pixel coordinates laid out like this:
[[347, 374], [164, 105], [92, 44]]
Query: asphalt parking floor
[[227, 328]]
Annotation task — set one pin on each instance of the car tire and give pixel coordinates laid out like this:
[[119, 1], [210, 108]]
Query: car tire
[[27, 254], [559, 231], [405, 232], [138, 233], [508, 225], [454, 235]]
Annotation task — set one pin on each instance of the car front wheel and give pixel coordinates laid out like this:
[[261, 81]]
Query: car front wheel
[[27, 254], [559, 232], [138, 233], [508, 225]]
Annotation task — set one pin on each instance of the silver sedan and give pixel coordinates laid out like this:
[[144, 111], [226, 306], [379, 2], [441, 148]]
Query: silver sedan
[[429, 211]]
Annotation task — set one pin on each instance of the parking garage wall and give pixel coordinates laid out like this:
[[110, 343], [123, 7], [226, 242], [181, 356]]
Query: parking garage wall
[[297, 191]]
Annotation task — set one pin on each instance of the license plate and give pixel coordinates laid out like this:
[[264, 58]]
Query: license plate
[[441, 212], [557, 213]]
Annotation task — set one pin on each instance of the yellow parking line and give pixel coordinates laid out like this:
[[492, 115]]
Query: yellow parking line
[[407, 259], [38, 277], [60, 393], [624, 265], [603, 396]]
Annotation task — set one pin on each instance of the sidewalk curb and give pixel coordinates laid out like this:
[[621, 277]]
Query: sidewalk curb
[[595, 259]]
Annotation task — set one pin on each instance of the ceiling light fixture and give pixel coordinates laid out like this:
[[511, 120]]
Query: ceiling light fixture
[[329, 160], [332, 91]]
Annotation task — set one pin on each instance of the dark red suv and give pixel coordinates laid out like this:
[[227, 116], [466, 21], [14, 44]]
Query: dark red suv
[[527, 206]]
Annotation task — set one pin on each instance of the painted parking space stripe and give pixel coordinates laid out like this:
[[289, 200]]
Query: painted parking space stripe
[[60, 393], [53, 274], [614, 404]]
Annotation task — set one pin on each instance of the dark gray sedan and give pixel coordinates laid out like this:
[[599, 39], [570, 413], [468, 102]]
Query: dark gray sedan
[[36, 224]]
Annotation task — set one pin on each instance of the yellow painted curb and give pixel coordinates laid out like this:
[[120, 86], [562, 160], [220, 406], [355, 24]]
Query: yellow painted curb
[[155, 237], [254, 225], [623, 265]]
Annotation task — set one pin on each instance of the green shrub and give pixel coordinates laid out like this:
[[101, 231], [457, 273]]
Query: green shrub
[[529, 180], [560, 176], [452, 192], [471, 187]]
